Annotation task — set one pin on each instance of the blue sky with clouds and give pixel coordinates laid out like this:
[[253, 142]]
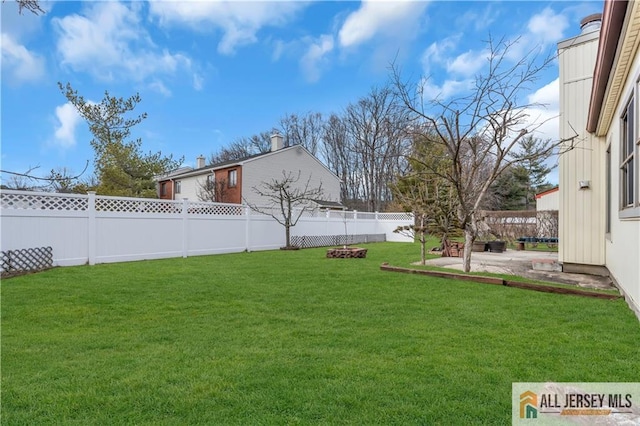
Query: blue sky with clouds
[[210, 72]]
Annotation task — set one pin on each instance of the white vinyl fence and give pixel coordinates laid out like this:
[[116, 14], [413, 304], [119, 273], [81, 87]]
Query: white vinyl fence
[[98, 229]]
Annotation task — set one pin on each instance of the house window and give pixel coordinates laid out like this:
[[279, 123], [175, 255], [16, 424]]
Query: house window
[[178, 186], [627, 150], [232, 178], [211, 182], [163, 189]]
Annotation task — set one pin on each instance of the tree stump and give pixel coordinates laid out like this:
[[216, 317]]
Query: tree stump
[[346, 253]]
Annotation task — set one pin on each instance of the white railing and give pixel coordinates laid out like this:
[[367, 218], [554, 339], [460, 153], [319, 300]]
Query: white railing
[[99, 229]]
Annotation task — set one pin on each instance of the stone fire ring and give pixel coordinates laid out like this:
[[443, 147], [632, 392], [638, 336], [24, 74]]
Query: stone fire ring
[[347, 253]]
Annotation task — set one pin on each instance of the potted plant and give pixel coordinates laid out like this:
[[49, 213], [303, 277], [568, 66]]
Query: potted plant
[[497, 246]]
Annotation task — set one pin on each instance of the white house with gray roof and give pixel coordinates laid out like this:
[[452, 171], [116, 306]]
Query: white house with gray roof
[[233, 181]]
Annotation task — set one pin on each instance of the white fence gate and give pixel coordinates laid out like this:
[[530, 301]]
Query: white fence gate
[[98, 229]]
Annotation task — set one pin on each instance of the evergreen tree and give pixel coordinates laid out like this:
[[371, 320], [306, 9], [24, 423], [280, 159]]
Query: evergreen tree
[[534, 167], [121, 167]]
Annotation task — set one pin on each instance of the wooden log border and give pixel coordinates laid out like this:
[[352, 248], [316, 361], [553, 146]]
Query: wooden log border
[[499, 281]]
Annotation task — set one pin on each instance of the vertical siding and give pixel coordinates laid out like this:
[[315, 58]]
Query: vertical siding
[[623, 244], [582, 213], [291, 160]]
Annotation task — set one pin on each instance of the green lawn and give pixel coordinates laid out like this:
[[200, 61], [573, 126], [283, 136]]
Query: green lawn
[[290, 337]]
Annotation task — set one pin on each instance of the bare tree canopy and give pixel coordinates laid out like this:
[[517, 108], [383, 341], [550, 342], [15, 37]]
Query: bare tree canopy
[[60, 179], [286, 200], [479, 130], [32, 6], [303, 130], [243, 147], [213, 190]]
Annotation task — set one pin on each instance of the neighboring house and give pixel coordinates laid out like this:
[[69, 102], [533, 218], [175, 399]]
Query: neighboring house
[[233, 181], [547, 205], [548, 200], [600, 163]]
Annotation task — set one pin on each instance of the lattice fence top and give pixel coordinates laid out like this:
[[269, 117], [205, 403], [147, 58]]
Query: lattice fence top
[[366, 215], [27, 200], [136, 205], [337, 214], [395, 216], [314, 213], [197, 208], [24, 200]]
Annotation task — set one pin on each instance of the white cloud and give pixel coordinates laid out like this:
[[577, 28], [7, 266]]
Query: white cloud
[[198, 81], [20, 65], [437, 51], [65, 131], [545, 110], [479, 20], [159, 87], [239, 21], [548, 26], [449, 88], [390, 18], [109, 42], [468, 63], [547, 95], [313, 60]]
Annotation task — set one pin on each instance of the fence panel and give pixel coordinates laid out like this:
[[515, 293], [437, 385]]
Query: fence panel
[[98, 229]]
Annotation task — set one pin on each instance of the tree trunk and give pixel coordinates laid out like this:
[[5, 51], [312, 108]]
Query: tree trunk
[[469, 237], [422, 248], [287, 230]]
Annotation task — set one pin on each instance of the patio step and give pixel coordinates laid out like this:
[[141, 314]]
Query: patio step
[[548, 265]]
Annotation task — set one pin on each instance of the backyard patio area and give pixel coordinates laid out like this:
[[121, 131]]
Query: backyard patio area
[[282, 337]]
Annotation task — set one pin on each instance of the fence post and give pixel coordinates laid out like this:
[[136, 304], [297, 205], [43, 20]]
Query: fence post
[[376, 226], [185, 227], [91, 227], [355, 224], [247, 228]]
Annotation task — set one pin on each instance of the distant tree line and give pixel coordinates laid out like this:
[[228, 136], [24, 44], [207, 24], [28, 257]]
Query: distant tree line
[[365, 145]]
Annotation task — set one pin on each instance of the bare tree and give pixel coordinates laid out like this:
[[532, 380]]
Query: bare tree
[[212, 189], [286, 201], [306, 130], [376, 128], [243, 147], [22, 181], [32, 6], [58, 180], [339, 158], [479, 130]]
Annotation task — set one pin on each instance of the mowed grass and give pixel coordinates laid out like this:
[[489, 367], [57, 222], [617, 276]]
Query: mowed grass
[[290, 337]]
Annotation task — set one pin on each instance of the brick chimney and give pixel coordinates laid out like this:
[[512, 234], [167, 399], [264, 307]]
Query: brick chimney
[[200, 162], [277, 142]]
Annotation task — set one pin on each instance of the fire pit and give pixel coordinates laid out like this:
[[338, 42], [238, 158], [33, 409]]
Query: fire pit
[[346, 253]]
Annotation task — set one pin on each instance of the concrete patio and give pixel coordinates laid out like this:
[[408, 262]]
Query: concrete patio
[[537, 265]]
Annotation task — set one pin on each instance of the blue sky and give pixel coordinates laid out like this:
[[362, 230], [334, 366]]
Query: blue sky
[[211, 72]]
